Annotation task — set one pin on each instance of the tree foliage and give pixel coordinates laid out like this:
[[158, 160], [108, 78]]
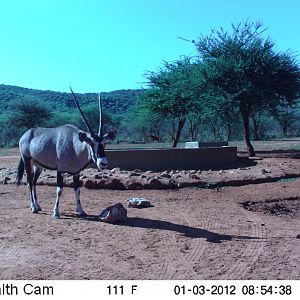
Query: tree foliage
[[174, 91], [247, 73], [28, 113]]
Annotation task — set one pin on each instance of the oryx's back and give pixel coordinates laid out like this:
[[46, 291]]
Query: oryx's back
[[55, 148]]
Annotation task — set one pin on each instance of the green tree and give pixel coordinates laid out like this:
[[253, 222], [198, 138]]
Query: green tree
[[173, 92], [145, 123], [286, 119], [28, 112], [91, 112], [246, 71], [9, 135], [60, 118]]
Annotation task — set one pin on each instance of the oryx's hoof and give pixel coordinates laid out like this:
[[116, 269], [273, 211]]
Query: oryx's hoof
[[34, 210], [56, 216], [81, 214], [39, 208]]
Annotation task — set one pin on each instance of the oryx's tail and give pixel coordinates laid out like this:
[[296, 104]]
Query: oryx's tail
[[20, 171]]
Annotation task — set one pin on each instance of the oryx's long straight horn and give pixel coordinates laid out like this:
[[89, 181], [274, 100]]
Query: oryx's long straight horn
[[82, 115], [100, 130]]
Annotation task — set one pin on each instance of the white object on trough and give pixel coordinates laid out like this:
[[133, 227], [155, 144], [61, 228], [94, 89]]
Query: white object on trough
[[138, 202], [191, 145], [113, 214]]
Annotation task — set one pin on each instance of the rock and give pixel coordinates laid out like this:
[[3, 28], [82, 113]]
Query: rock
[[5, 180], [115, 170], [134, 183], [172, 184], [113, 214], [134, 174], [114, 184], [172, 172], [138, 203], [154, 183], [176, 176], [95, 184], [165, 175]]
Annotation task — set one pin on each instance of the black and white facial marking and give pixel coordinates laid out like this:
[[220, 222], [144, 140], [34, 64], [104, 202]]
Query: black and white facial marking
[[100, 144], [97, 147], [101, 159]]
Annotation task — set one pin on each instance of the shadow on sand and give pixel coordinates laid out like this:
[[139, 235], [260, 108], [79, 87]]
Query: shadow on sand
[[190, 232], [273, 153]]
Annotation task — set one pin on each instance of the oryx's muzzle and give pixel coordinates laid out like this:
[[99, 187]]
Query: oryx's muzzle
[[101, 162]]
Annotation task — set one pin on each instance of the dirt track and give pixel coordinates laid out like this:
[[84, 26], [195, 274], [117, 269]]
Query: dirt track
[[189, 233]]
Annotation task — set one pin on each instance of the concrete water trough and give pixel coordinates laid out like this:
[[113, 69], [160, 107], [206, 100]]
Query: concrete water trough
[[172, 158]]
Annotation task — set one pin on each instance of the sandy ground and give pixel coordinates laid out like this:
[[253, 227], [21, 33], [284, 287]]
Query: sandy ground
[[245, 232]]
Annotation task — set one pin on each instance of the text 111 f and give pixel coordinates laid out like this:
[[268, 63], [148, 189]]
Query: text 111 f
[[119, 289]]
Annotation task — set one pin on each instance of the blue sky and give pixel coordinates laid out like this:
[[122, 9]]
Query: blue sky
[[104, 45]]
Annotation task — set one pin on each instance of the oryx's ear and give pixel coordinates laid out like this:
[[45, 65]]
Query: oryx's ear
[[111, 135], [83, 137]]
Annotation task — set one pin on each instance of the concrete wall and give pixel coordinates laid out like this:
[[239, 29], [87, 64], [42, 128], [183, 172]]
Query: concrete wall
[[164, 159]]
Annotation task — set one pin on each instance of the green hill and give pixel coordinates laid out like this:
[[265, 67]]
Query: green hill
[[114, 102]]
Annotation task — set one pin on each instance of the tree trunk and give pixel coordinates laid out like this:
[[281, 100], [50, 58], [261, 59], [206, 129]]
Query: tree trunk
[[255, 131], [178, 132], [256, 124], [214, 130], [229, 131], [250, 148], [285, 128], [193, 132]]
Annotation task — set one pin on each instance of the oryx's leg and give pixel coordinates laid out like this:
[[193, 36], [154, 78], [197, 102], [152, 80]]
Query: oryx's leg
[[28, 168], [36, 173], [79, 209], [59, 189]]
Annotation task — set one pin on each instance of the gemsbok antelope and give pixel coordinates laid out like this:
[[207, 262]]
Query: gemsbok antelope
[[65, 149]]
